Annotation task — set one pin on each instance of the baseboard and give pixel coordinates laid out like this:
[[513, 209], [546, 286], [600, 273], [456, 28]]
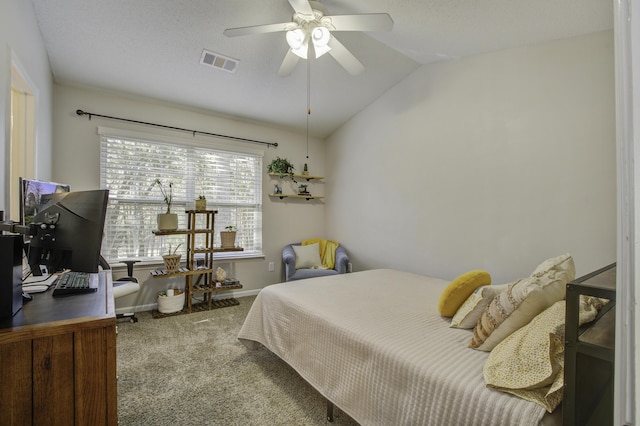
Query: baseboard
[[152, 306], [245, 293]]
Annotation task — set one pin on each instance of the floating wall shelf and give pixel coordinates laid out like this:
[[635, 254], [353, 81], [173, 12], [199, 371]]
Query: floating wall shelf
[[306, 197]]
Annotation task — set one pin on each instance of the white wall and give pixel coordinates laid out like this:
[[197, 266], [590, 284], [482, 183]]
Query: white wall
[[495, 162], [76, 162], [21, 43]]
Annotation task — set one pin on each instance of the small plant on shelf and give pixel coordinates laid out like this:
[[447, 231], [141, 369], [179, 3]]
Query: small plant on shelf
[[282, 167], [172, 259], [173, 252], [167, 194], [201, 202], [228, 237], [302, 190]]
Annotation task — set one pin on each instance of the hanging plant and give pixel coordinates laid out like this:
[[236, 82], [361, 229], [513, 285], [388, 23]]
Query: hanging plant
[[281, 166]]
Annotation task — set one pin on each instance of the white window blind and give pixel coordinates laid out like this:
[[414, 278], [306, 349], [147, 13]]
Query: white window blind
[[231, 182]]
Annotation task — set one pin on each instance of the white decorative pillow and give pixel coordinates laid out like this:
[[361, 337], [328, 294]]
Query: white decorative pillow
[[469, 313], [307, 257], [559, 264], [522, 301]]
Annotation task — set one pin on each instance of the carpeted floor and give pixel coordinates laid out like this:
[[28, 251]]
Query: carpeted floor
[[198, 307], [192, 370]]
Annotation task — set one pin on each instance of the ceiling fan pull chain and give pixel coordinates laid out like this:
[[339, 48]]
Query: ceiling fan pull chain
[[308, 101]]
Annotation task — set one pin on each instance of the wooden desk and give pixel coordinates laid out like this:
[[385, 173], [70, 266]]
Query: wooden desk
[[58, 360]]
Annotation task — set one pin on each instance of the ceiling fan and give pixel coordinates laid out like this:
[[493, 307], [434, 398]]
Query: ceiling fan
[[311, 30]]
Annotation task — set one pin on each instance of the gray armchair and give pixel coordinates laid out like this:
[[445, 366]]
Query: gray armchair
[[291, 273]]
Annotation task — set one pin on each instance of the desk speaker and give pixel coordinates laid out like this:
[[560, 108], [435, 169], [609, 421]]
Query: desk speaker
[[10, 275]]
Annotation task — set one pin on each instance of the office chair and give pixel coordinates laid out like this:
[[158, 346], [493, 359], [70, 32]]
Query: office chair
[[126, 286]]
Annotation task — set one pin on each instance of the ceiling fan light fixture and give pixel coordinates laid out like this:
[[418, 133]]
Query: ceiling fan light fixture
[[297, 41], [320, 37], [311, 28], [296, 38], [301, 51]]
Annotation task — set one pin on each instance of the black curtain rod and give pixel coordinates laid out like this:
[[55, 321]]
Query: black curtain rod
[[193, 132]]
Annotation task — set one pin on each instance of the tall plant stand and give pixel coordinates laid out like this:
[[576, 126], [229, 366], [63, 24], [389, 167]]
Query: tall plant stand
[[198, 270]]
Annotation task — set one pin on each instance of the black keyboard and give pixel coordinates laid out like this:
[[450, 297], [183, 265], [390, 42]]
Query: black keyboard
[[76, 283]]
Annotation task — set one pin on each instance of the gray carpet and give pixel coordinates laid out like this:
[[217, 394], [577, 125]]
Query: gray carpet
[[192, 370]]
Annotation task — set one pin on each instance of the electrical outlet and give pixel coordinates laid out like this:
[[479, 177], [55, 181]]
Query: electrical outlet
[[272, 266]]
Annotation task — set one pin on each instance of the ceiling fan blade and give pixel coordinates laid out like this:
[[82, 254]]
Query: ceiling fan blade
[[364, 22], [301, 6], [344, 57], [288, 64], [260, 29]]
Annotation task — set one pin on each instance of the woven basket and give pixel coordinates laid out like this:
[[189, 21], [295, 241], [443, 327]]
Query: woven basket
[[171, 262], [201, 205], [170, 304], [228, 239]]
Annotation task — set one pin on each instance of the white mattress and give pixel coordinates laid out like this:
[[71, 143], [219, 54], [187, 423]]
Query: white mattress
[[374, 344]]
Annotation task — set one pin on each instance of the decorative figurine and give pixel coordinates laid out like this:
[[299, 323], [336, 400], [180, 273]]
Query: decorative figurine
[[220, 275], [277, 189]]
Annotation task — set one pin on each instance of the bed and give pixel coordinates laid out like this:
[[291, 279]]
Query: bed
[[374, 344]]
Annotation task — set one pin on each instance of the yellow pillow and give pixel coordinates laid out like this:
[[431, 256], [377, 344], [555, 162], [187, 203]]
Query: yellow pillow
[[459, 290]]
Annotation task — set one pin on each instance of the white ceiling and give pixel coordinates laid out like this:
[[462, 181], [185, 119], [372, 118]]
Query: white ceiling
[[153, 47]]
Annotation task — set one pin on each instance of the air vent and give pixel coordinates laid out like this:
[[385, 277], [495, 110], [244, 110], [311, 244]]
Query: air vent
[[219, 61]]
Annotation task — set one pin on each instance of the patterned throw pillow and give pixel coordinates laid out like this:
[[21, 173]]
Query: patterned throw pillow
[[523, 301], [530, 362], [469, 313]]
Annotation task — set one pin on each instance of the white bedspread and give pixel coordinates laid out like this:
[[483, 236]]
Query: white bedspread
[[373, 343]]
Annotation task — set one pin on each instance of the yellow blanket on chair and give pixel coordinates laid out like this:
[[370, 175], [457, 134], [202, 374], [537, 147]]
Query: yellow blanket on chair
[[327, 251]]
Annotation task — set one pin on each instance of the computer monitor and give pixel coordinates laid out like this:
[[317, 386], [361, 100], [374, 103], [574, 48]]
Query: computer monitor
[[68, 232], [31, 193]]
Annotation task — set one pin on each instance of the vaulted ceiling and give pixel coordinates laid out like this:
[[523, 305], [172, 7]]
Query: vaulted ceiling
[[153, 48]]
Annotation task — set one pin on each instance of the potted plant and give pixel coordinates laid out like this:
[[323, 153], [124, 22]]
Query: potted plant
[[228, 237], [302, 189], [282, 167], [201, 203], [166, 221], [172, 259]]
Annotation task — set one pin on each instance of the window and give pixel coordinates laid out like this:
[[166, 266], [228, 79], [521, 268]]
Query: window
[[230, 179]]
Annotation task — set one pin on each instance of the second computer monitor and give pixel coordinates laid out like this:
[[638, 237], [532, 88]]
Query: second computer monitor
[[69, 231]]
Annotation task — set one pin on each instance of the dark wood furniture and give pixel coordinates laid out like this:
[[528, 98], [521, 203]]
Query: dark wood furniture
[[589, 353], [58, 360]]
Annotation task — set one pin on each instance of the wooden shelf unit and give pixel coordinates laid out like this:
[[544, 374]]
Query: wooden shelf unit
[[198, 280]]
